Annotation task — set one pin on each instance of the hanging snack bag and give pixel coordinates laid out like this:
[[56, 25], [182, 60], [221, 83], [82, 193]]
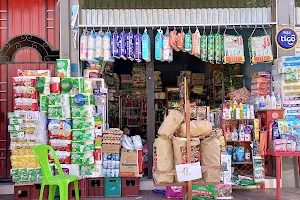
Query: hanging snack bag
[[180, 41], [203, 47], [129, 46], [92, 46], [233, 49], [114, 44], [138, 47], [146, 51], [122, 45], [196, 43], [107, 47], [159, 45], [167, 50], [99, 45], [260, 49], [218, 48], [188, 42], [173, 40], [83, 46], [210, 48]]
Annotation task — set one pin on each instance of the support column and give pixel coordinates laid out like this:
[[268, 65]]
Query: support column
[[150, 105], [65, 27]]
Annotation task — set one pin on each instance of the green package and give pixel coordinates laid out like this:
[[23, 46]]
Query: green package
[[15, 172], [31, 171], [83, 135], [82, 146], [39, 177], [63, 68], [55, 112], [86, 170], [16, 178], [25, 178], [40, 172], [83, 123], [82, 111], [72, 85], [23, 171], [210, 48], [33, 177], [203, 192], [218, 48], [44, 102], [55, 100], [82, 158], [188, 41], [203, 47]]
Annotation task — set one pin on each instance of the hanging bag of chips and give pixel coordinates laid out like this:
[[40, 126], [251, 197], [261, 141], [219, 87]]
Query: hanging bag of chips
[[218, 47], [233, 48], [114, 44], [260, 48], [188, 42], [196, 43], [92, 46], [173, 40], [122, 45], [107, 47], [129, 45], [84, 46], [211, 48], [146, 51], [159, 45], [203, 46], [99, 45], [138, 47], [180, 40], [167, 50]]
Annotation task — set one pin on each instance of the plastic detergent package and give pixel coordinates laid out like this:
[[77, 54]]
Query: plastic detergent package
[[114, 45], [129, 46], [260, 49], [196, 43], [218, 48], [173, 40], [92, 46], [188, 42], [159, 45], [138, 47], [203, 192], [99, 45], [107, 47], [203, 47], [180, 41], [122, 45], [233, 49], [167, 50], [210, 48], [84, 46], [146, 47]]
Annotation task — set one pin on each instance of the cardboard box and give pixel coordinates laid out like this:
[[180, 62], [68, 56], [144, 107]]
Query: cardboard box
[[111, 148], [129, 166]]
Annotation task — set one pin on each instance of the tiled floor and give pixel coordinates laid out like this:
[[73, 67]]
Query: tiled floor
[[287, 194]]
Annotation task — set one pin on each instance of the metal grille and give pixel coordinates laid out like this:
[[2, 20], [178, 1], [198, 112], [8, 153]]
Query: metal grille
[[172, 4]]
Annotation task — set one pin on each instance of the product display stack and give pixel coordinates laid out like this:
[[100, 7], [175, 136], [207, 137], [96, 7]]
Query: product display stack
[[260, 84], [138, 76]]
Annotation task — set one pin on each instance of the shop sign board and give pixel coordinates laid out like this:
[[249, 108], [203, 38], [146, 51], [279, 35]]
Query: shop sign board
[[286, 38]]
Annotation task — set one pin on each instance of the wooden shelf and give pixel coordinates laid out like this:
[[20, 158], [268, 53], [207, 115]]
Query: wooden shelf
[[242, 163]]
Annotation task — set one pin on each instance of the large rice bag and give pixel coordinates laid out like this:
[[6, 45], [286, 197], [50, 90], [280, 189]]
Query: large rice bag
[[197, 128], [162, 160], [179, 148], [171, 123], [210, 159]]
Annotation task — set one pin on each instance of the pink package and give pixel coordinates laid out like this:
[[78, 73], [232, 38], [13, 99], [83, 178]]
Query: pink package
[[174, 192], [279, 145]]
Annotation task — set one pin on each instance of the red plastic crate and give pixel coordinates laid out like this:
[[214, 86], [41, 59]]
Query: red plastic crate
[[95, 187], [82, 189], [35, 192], [130, 187], [22, 192]]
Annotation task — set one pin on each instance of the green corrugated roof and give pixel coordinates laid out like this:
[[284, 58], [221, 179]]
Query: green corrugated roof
[[172, 4]]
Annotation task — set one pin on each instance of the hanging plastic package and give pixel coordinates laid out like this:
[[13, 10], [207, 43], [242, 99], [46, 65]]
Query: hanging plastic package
[[107, 47], [233, 49], [159, 45], [203, 47], [129, 46], [218, 48], [180, 41], [188, 42], [114, 44], [83, 46], [99, 45], [122, 45], [196, 43], [138, 47], [260, 48], [211, 48], [167, 50], [146, 47], [92, 46], [173, 40]]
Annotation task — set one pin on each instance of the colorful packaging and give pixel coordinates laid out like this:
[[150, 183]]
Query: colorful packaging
[[174, 192], [107, 48], [92, 46], [25, 92], [146, 47], [122, 45], [63, 68], [211, 48], [138, 47], [167, 50], [72, 85], [59, 112], [82, 111], [60, 134], [55, 85], [130, 46], [203, 47], [83, 123], [196, 43], [99, 45], [203, 192], [180, 41], [59, 100], [83, 46], [44, 101], [173, 40], [188, 42], [260, 49], [218, 48], [81, 99], [83, 135], [24, 81], [82, 146], [60, 145], [159, 45], [34, 73], [114, 45], [233, 49]]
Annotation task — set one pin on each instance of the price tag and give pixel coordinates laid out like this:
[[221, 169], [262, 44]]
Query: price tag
[[188, 172]]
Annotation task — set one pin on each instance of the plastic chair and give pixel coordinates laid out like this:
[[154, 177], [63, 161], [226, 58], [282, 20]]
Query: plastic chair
[[61, 180]]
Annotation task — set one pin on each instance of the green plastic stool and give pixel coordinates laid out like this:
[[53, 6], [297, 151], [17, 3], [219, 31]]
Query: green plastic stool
[[61, 180]]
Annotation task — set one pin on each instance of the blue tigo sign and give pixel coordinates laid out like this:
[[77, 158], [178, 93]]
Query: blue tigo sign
[[286, 38]]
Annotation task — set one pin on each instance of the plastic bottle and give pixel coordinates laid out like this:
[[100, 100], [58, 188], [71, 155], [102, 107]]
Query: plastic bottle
[[235, 135], [238, 114], [241, 133], [273, 102], [268, 102], [262, 102], [247, 155], [234, 110], [241, 111]]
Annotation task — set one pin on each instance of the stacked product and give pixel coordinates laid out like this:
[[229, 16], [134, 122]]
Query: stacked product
[[139, 76], [260, 84], [111, 152], [157, 80], [198, 79], [93, 71], [126, 81]]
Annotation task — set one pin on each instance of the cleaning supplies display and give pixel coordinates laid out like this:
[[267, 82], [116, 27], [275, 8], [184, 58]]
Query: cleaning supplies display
[[233, 110]]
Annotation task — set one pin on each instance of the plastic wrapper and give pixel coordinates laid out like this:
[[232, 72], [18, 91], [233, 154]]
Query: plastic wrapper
[[107, 47], [173, 40], [240, 95], [146, 47], [211, 48], [260, 49], [203, 47], [137, 141], [92, 46], [202, 192], [218, 48], [130, 45], [167, 50], [84, 46], [99, 45], [159, 45], [60, 145], [114, 45], [138, 47], [180, 41], [233, 49], [188, 42], [196, 44], [127, 143], [122, 45]]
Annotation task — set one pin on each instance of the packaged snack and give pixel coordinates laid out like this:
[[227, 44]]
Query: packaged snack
[[107, 48], [233, 49], [159, 45], [99, 45], [122, 45], [210, 48], [84, 46], [130, 45], [180, 40], [92, 46], [114, 44], [167, 50], [63, 68], [203, 192], [173, 40], [188, 42], [260, 49], [218, 48], [146, 47], [138, 47], [203, 47], [196, 43]]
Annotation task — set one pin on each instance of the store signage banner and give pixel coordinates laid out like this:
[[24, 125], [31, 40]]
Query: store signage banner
[[188, 172], [286, 38]]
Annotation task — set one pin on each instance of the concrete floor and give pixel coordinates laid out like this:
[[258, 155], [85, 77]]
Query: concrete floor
[[254, 194]]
